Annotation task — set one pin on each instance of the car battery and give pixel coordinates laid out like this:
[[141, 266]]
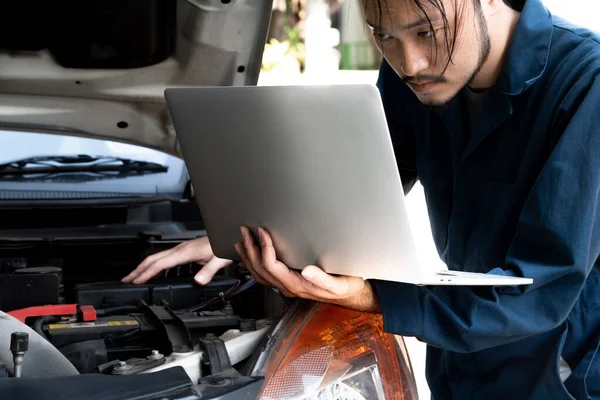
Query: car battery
[[117, 330]]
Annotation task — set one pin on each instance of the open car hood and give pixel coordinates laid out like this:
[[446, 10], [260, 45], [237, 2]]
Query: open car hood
[[98, 68]]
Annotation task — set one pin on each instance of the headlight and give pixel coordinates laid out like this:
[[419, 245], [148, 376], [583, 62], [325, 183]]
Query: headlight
[[321, 351]]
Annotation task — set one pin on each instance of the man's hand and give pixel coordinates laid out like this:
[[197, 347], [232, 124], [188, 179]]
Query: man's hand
[[313, 283], [196, 251]]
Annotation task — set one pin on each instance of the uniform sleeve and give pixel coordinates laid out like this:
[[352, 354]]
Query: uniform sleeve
[[557, 243], [394, 95]]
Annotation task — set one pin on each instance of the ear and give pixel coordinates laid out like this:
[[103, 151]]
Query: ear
[[491, 7]]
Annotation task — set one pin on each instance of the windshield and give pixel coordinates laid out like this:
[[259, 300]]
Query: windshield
[[19, 145]]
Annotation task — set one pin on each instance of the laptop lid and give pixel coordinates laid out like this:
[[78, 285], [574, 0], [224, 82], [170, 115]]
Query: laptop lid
[[314, 165]]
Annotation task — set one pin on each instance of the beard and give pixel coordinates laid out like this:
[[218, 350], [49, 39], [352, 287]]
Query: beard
[[485, 46]]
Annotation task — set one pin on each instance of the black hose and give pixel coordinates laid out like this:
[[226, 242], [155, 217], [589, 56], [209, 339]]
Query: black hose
[[102, 312], [234, 291], [41, 321]]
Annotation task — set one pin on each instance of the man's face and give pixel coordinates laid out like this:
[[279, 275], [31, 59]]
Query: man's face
[[419, 54]]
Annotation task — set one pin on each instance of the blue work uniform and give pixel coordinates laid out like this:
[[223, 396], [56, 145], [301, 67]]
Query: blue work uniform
[[515, 194]]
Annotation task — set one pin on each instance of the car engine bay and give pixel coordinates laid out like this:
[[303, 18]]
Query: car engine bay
[[65, 292]]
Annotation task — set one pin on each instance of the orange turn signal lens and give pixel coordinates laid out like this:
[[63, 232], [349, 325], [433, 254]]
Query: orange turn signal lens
[[323, 351]]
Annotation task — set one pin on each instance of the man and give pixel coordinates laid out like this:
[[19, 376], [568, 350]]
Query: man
[[495, 108]]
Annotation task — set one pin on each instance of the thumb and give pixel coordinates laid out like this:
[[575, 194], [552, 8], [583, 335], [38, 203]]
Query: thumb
[[323, 280], [207, 272]]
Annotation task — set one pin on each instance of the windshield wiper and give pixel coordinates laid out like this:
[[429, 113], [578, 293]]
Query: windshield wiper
[[78, 163]]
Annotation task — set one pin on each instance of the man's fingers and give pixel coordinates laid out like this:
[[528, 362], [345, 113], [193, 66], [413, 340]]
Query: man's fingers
[[148, 261], [322, 280], [268, 250], [267, 265], [239, 247], [252, 252], [182, 255], [207, 272], [289, 280], [254, 261], [255, 264], [313, 283]]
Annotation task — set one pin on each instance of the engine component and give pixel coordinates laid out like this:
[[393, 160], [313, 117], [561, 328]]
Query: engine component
[[179, 294], [215, 356], [239, 346], [87, 313], [155, 355], [214, 321], [229, 384], [121, 366], [41, 270], [40, 311], [86, 356], [174, 331], [25, 283], [115, 330], [190, 362], [19, 342], [10, 265], [20, 291], [137, 365], [247, 325]]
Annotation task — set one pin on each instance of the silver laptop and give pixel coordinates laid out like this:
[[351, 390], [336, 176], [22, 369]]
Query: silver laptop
[[314, 165]]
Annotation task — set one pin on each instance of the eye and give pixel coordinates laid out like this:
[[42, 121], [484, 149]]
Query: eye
[[426, 34], [382, 36]]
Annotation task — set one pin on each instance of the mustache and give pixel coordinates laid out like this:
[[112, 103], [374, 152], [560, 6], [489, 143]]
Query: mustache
[[419, 79]]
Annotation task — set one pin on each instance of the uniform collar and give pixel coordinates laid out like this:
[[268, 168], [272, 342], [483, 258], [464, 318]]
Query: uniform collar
[[528, 51]]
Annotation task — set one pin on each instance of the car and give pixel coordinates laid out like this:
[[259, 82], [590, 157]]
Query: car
[[92, 181]]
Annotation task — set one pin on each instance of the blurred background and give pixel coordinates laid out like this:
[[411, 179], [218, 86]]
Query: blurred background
[[315, 39], [326, 42], [322, 37]]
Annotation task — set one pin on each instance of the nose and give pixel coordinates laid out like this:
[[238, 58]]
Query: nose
[[413, 60]]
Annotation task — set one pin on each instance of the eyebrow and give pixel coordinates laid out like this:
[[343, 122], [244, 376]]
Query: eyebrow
[[413, 24]]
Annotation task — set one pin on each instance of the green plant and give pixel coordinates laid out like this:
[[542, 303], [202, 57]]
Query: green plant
[[287, 55]]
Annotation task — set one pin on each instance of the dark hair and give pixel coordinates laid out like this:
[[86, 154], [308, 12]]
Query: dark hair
[[515, 4], [418, 6], [451, 33]]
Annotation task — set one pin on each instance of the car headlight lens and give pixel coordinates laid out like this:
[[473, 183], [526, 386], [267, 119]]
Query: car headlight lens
[[322, 351]]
